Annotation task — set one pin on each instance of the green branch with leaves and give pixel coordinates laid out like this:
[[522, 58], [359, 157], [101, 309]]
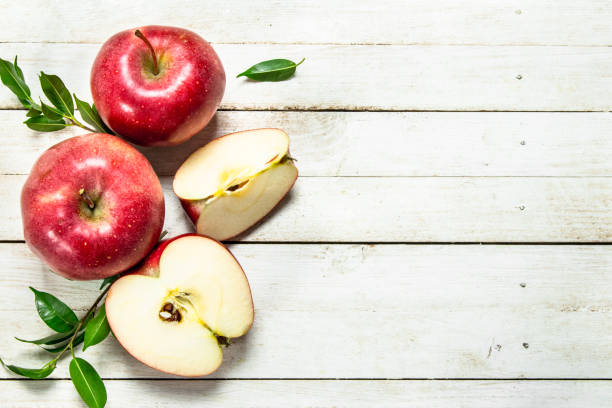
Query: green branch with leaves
[[59, 112], [70, 332]]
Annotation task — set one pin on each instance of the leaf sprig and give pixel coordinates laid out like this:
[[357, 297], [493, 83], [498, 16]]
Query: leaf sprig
[[71, 331], [57, 115]]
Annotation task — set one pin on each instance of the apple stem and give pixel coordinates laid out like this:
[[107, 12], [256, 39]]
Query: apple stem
[[140, 35], [87, 199]]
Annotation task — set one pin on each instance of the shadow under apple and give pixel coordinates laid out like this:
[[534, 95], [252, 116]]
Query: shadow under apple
[[167, 159]]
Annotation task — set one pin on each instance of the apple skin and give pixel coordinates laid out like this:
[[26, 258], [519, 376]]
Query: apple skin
[[193, 208], [127, 220], [157, 110]]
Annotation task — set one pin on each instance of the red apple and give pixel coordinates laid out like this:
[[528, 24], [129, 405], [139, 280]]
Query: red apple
[[156, 85], [177, 309], [92, 207]]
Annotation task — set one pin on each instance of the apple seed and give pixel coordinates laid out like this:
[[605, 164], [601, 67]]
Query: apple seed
[[237, 186], [169, 313]]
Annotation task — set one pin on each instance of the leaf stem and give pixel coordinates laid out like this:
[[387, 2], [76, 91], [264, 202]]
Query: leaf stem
[[78, 328], [140, 35], [73, 121], [33, 104]]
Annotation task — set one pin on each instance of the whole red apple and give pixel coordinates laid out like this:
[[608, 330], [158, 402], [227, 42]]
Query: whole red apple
[[156, 85], [92, 207]]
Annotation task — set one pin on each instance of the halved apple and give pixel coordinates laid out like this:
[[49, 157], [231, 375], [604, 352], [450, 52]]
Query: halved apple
[[234, 181], [188, 298]]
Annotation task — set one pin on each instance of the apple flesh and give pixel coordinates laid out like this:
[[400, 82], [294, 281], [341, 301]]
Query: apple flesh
[[231, 183], [187, 299], [92, 207], [158, 98]]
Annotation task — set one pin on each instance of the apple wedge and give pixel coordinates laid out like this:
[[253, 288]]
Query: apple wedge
[[232, 182], [185, 301]]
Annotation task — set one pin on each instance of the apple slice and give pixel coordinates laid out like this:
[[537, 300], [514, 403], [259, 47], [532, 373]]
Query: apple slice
[[188, 298], [231, 183]]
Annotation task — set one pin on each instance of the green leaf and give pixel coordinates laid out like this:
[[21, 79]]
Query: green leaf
[[77, 340], [54, 312], [18, 70], [49, 340], [43, 124], [33, 112], [88, 383], [33, 373], [50, 113], [271, 70], [89, 115], [109, 280], [106, 128], [97, 329], [57, 93], [12, 76]]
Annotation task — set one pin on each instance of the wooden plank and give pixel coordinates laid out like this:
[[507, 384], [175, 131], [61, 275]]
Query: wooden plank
[[470, 78], [385, 143], [409, 209], [270, 393], [524, 22], [378, 311]]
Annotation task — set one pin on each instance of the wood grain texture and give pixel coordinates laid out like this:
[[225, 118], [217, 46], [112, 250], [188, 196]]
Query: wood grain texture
[[447, 78], [377, 311], [523, 22], [384, 143], [393, 314], [305, 394], [409, 209]]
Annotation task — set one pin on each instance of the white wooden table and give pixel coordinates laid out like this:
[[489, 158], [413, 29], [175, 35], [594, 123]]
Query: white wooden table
[[446, 242]]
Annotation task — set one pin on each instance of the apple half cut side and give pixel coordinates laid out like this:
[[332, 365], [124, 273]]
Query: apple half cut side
[[231, 183], [181, 305]]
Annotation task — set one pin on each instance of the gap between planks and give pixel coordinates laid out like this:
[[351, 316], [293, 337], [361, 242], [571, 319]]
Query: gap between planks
[[366, 109], [455, 243], [351, 44], [327, 379]]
